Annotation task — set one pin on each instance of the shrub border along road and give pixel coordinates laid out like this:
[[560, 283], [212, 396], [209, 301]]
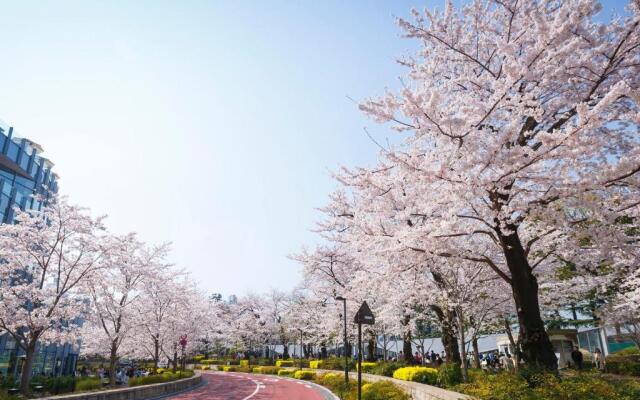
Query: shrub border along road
[[142, 392], [417, 391]]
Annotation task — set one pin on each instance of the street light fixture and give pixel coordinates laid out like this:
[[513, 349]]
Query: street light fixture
[[346, 356]]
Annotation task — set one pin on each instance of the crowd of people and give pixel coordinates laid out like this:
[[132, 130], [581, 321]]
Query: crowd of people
[[123, 373]]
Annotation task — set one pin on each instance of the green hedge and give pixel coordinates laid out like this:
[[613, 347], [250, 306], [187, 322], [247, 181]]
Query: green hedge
[[623, 364], [370, 391], [164, 377], [449, 374], [267, 369], [55, 385], [367, 367], [387, 368], [543, 386], [338, 364], [88, 383], [212, 362]]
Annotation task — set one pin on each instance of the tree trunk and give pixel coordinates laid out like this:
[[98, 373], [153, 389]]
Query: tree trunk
[[463, 349], [112, 363], [25, 378], [156, 355], [476, 352], [449, 338], [407, 348], [384, 345], [371, 345], [536, 346], [323, 351], [175, 357]]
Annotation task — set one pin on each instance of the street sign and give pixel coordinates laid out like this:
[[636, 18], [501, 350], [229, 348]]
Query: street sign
[[364, 315]]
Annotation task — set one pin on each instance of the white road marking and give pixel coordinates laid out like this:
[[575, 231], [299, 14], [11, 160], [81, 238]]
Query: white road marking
[[254, 392]]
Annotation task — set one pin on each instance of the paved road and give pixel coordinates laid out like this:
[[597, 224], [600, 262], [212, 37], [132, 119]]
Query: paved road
[[239, 386]]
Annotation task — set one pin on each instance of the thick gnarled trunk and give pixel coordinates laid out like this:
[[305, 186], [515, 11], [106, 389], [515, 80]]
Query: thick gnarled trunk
[[476, 352], [537, 349], [407, 348], [449, 338], [112, 363], [25, 378]]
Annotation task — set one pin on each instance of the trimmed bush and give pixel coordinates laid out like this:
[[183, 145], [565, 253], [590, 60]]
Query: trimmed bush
[[284, 363], [88, 383], [198, 358], [383, 391], [229, 368], [417, 374], [387, 368], [449, 374], [545, 386], [306, 375], [165, 377], [244, 363], [629, 351], [204, 367], [329, 375], [269, 370], [211, 362], [367, 367], [286, 372], [337, 364], [55, 384], [315, 364], [623, 364], [370, 391]]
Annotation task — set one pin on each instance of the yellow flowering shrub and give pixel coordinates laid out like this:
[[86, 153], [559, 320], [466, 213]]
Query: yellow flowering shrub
[[244, 363], [284, 363], [417, 374], [286, 372], [315, 364], [544, 386], [306, 375], [367, 366], [229, 368]]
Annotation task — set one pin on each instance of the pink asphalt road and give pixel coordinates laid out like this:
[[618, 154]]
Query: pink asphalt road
[[239, 386]]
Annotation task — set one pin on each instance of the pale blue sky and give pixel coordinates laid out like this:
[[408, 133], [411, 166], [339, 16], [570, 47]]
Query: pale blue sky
[[210, 124]]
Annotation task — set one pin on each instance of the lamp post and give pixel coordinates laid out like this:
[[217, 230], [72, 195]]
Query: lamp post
[[346, 356]]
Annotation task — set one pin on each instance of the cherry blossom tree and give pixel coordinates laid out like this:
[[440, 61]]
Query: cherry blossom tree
[[159, 309], [49, 259], [521, 122], [115, 291]]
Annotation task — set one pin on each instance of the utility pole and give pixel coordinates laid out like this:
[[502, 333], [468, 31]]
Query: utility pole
[[346, 356]]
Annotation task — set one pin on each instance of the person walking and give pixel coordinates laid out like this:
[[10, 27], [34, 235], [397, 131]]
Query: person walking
[[577, 357], [599, 359]]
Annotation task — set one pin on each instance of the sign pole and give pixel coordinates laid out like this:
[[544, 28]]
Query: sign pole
[[359, 361], [363, 316], [346, 356]]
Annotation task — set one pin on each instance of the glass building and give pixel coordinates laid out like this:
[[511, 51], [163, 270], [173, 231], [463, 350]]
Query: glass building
[[25, 173]]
